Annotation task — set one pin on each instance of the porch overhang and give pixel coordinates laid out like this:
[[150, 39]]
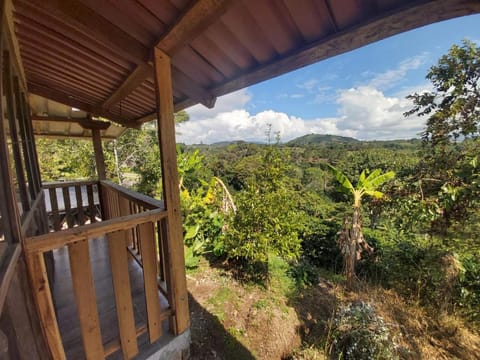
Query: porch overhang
[[55, 120], [98, 56]]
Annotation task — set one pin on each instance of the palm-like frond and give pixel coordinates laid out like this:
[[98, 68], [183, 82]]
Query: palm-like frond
[[373, 182], [341, 178]]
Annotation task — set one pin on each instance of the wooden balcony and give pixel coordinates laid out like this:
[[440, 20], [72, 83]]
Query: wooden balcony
[[110, 292]]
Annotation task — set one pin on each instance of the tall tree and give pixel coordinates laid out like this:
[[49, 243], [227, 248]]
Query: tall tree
[[449, 170], [350, 239]]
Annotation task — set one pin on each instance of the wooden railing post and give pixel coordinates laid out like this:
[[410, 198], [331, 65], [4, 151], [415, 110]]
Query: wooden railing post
[[99, 158], [166, 136]]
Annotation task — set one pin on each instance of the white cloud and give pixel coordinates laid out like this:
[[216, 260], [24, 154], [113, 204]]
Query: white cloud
[[372, 115], [308, 84], [364, 113], [390, 78]]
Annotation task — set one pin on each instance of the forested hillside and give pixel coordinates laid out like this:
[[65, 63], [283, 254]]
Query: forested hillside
[[400, 216]]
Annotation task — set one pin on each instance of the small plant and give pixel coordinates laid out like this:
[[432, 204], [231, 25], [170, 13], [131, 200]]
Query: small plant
[[358, 333]]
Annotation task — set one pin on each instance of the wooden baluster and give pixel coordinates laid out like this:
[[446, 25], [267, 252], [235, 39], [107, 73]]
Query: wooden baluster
[[68, 207], [79, 198], [121, 283], [167, 270], [149, 261], [83, 286], [91, 203], [161, 252], [124, 207], [43, 299], [57, 226]]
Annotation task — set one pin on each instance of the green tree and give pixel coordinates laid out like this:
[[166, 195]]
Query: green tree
[[350, 239], [265, 223], [449, 171]]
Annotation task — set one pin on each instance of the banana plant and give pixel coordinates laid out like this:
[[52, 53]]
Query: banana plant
[[350, 237]]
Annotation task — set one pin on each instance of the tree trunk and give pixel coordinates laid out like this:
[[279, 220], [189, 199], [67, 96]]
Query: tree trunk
[[352, 247]]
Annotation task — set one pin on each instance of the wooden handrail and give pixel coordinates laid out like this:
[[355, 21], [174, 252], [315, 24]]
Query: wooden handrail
[[55, 240], [62, 184], [141, 199]]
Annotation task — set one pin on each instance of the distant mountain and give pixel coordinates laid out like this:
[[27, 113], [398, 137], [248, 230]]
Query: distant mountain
[[312, 139]]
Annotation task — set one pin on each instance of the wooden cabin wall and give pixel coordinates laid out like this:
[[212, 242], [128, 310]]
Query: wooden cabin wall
[[22, 210]]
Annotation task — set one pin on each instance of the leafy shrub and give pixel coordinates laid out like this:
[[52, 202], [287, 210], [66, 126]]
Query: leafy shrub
[[469, 302], [358, 333]]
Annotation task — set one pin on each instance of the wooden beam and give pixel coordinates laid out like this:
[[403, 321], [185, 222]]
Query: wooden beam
[[166, 136], [13, 42], [55, 240], [192, 23], [134, 80], [376, 29], [99, 158], [85, 123], [407, 18]]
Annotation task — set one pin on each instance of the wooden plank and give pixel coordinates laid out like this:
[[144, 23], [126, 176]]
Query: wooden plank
[[87, 21], [91, 203], [7, 269], [28, 156], [15, 140], [55, 240], [82, 279], [99, 158], [166, 135], [54, 207], [124, 207], [31, 141], [138, 76], [57, 184], [122, 289], [133, 196], [193, 22], [149, 261], [168, 271], [43, 299], [79, 198], [68, 207]]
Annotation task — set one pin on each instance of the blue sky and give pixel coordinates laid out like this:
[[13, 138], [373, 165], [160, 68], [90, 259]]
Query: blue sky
[[360, 93]]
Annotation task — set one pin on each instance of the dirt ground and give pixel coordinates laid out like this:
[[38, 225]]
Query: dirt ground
[[231, 320]]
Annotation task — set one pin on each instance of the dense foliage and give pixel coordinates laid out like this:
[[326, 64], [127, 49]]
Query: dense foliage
[[246, 204]]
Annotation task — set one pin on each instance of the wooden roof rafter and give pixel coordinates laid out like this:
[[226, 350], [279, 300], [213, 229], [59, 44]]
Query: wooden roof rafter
[[193, 21]]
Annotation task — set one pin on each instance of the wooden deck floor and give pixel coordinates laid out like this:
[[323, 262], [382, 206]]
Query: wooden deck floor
[[67, 310]]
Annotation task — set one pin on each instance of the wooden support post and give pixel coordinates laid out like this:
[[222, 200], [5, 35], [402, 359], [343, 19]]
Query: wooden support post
[[99, 158], [166, 137]]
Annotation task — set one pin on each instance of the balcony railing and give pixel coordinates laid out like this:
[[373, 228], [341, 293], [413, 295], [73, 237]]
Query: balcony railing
[[134, 225]]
